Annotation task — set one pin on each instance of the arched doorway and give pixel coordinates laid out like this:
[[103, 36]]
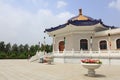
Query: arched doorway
[[61, 46], [103, 45], [118, 43], [84, 44]]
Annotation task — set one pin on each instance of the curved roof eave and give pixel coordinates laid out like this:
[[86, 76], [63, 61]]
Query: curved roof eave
[[55, 28], [112, 27], [76, 23]]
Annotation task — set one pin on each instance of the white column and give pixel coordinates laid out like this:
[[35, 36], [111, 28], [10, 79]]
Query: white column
[[91, 43], [53, 43], [64, 43]]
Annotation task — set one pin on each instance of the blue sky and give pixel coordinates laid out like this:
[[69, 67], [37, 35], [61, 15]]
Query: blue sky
[[23, 21]]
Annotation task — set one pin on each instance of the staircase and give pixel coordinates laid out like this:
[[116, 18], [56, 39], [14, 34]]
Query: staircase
[[36, 57]]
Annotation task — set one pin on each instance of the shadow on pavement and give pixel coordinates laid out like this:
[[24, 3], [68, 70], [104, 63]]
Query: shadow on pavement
[[97, 76]]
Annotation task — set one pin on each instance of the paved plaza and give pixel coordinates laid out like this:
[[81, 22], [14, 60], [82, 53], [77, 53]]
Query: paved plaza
[[25, 70]]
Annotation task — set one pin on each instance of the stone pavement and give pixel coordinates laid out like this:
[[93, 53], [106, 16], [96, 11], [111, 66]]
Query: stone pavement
[[24, 70]]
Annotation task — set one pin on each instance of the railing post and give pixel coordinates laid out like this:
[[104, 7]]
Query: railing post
[[64, 53], [99, 53], [58, 51], [73, 52], [81, 51], [90, 53], [109, 56]]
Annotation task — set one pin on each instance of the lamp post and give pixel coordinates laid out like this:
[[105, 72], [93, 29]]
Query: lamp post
[[91, 47], [53, 42], [39, 45], [44, 45], [64, 42], [28, 53], [109, 39], [109, 43]]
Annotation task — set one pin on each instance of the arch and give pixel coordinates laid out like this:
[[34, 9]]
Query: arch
[[118, 43], [84, 44], [103, 44], [61, 46]]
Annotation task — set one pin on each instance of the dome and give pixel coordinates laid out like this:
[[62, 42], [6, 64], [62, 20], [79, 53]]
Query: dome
[[81, 17]]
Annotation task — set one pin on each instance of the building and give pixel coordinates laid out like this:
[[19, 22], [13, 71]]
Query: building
[[83, 33]]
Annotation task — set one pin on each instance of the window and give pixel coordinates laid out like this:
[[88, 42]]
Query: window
[[118, 43], [103, 44], [84, 44]]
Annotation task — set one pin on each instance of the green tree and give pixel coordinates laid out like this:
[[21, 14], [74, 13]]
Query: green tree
[[42, 48], [32, 50], [48, 48], [21, 48], [26, 47], [37, 48], [2, 46], [21, 51], [2, 55], [7, 49], [15, 49]]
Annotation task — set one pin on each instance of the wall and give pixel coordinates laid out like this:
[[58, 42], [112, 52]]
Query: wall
[[78, 37], [68, 42], [113, 39], [73, 41]]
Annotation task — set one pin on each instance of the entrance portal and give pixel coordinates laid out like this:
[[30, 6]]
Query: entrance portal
[[61, 46]]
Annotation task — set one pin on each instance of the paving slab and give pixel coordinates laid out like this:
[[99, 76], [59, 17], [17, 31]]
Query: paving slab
[[25, 70]]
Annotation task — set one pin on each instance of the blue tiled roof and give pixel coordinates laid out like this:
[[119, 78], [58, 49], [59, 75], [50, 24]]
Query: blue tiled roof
[[79, 23], [84, 23], [56, 28]]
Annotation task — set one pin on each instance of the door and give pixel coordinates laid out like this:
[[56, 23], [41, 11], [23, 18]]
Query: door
[[61, 46]]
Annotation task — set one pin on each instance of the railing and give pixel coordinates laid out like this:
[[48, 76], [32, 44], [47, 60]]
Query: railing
[[112, 51], [89, 54]]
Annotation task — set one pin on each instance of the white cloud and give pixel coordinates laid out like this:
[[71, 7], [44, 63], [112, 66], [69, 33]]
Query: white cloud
[[115, 4], [61, 4], [65, 15], [20, 26], [38, 2]]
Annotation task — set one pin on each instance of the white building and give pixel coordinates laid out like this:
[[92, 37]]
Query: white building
[[83, 34]]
